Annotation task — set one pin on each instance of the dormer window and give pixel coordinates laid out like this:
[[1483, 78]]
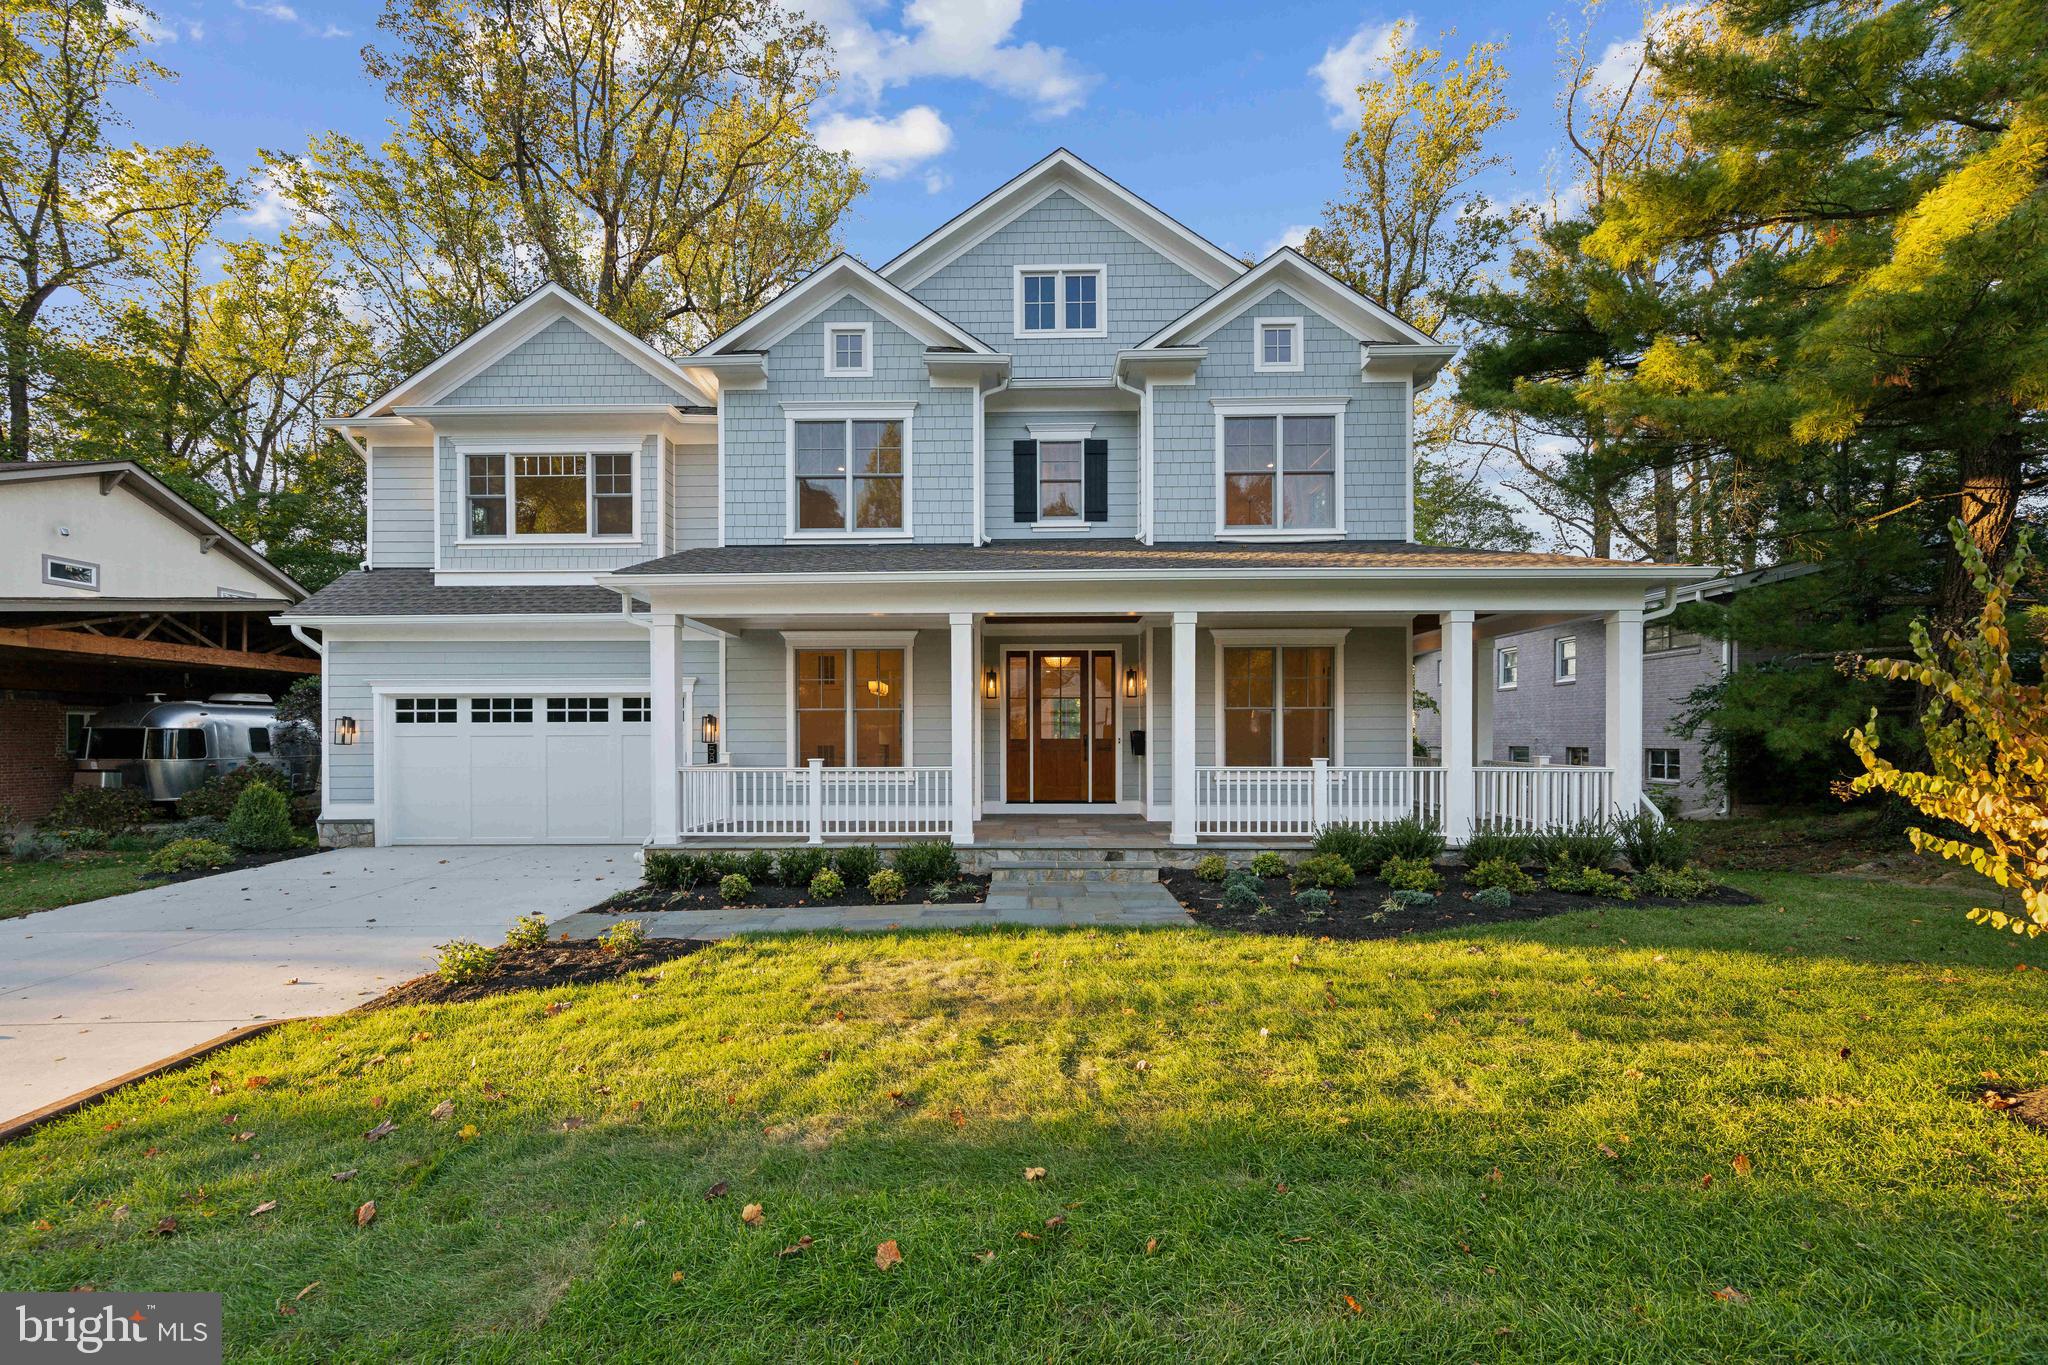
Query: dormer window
[[849, 351], [1276, 346], [1061, 301]]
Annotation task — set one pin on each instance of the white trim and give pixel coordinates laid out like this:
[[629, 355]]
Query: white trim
[[370, 500], [590, 626], [850, 407], [848, 413], [1029, 646], [516, 578], [1408, 446], [721, 476], [1123, 805], [848, 640], [1344, 307], [1279, 409], [887, 298], [510, 448], [1296, 335], [1059, 331], [866, 332], [1062, 431], [1331, 639]]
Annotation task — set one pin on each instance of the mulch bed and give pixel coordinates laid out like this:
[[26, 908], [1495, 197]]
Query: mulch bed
[[579, 963], [241, 864], [1355, 912], [643, 899]]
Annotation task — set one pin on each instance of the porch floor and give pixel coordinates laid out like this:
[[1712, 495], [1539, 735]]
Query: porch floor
[[1070, 831]]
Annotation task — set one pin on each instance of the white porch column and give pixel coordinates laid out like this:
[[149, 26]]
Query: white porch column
[[1625, 707], [965, 710], [1183, 831], [664, 651], [1457, 702]]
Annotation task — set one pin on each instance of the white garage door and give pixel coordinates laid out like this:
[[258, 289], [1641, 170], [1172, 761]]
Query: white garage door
[[569, 768]]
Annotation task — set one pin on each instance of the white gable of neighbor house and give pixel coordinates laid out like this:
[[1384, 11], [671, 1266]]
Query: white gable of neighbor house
[[140, 552], [563, 363]]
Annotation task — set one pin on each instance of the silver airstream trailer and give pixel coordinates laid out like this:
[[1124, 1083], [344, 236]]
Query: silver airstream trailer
[[166, 748]]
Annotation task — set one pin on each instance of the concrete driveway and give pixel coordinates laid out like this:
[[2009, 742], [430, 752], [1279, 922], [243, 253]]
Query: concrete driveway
[[91, 991]]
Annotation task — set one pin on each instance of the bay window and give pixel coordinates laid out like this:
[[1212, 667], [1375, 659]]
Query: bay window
[[849, 707], [849, 474], [563, 494], [1279, 705], [1279, 472]]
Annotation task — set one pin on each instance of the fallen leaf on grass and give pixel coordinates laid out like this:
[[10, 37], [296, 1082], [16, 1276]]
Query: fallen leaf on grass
[[377, 1101], [349, 1174], [1730, 1294], [888, 1256], [716, 1191], [378, 1133], [265, 1207], [1352, 1304], [676, 1277], [572, 1123], [1027, 1236], [554, 1008], [165, 1227], [1293, 1240], [466, 1131], [1609, 1152], [983, 1256], [1494, 1175], [366, 1213], [1742, 1163], [1707, 1181], [307, 1290], [1994, 1100], [752, 1216], [444, 1110], [959, 1118], [1151, 1245], [1034, 1172], [796, 1248], [1056, 1220], [241, 1137], [256, 1082]]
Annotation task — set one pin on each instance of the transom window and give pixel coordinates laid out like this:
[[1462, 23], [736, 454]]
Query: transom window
[[424, 711], [850, 475], [1278, 701], [636, 710], [501, 710], [579, 710], [71, 573], [1060, 299], [846, 350], [1059, 480], [1661, 765], [549, 494], [1662, 635], [1276, 345], [1568, 659], [849, 707], [1280, 473], [1507, 666]]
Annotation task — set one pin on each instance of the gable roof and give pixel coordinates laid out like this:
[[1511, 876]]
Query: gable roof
[[1346, 307], [504, 333], [1062, 170], [830, 282], [127, 474]]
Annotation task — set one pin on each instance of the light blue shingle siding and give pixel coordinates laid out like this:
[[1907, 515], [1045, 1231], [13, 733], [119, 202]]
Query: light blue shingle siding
[[694, 498], [442, 667], [401, 507], [941, 430], [699, 661], [562, 363], [1144, 291], [1375, 425], [507, 554], [1120, 429]]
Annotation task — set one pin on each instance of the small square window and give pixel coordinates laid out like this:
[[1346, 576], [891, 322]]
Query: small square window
[[1577, 755], [846, 351], [1276, 345], [501, 710], [579, 710], [1661, 765], [1568, 659], [1507, 667], [424, 711], [636, 710], [71, 573], [1518, 753]]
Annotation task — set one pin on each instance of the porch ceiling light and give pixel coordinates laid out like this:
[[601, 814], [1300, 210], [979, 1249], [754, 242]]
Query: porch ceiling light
[[988, 683], [1133, 683], [344, 730]]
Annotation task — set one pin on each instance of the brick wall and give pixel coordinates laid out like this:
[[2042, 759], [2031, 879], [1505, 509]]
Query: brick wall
[[34, 770]]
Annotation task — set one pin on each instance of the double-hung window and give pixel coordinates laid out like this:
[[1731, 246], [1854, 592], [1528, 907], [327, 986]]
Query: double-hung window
[[575, 495], [849, 707], [1279, 705], [1507, 667], [1280, 473], [1061, 300], [1661, 765], [1567, 655], [849, 475]]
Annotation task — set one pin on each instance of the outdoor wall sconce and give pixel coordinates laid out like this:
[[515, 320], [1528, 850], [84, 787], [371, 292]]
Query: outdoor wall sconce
[[344, 730], [710, 738], [1132, 683], [988, 684]]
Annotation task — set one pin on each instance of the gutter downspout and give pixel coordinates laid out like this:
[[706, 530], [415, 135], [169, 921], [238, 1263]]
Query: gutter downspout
[[1144, 397], [981, 397]]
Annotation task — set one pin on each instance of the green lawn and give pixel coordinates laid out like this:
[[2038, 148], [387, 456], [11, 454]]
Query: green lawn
[[1309, 1149], [27, 887]]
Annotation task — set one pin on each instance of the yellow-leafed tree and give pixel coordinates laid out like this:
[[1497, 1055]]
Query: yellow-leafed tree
[[1987, 746]]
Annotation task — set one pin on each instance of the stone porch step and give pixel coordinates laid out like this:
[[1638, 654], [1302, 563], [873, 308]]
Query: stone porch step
[[1064, 871]]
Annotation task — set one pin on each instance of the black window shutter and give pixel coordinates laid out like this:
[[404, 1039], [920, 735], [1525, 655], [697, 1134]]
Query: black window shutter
[[1024, 477], [1095, 480]]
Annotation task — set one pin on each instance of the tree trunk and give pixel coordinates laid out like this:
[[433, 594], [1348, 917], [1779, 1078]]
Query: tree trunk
[[1990, 485], [17, 393], [1665, 509]]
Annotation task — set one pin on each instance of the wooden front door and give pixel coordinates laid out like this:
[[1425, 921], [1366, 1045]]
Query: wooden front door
[[1060, 726]]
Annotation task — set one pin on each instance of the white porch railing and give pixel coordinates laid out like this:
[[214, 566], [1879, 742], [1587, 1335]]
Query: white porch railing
[[1296, 802], [1541, 798], [814, 803]]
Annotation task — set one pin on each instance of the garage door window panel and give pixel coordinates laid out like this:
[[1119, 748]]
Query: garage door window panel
[[579, 710], [424, 711], [501, 710]]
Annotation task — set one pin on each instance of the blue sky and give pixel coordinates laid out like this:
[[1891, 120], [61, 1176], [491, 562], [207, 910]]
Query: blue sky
[[1218, 118]]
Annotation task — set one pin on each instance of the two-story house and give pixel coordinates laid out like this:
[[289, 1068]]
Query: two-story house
[[1063, 509]]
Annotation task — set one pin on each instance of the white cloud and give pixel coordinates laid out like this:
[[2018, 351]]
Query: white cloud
[[1618, 66], [1291, 236], [1343, 69], [936, 181], [143, 22], [888, 148], [285, 14], [958, 39], [268, 210]]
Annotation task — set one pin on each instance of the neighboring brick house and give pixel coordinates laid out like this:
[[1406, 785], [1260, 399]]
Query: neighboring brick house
[[112, 587], [1547, 683]]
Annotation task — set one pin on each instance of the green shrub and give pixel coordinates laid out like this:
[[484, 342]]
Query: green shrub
[[1499, 873], [669, 871], [827, 885], [758, 866], [798, 866], [1212, 868], [464, 961], [886, 885], [1269, 865], [1495, 842], [262, 822], [150, 840], [1589, 843], [1493, 897], [217, 795], [1353, 843], [857, 863], [1242, 898], [183, 855], [627, 936], [204, 827], [1650, 841], [1315, 900], [1588, 881], [1410, 874], [1410, 838], [722, 864], [1321, 869], [1406, 898], [528, 931], [1687, 883], [84, 840], [735, 887], [109, 810], [938, 893], [925, 863], [37, 848]]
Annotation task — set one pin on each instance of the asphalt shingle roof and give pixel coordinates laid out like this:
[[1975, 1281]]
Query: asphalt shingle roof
[[411, 592], [1109, 556]]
